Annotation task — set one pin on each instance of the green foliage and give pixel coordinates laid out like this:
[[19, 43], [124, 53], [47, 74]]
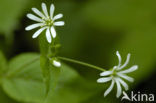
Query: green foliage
[[71, 87], [4, 98], [3, 67], [23, 80], [2, 64]]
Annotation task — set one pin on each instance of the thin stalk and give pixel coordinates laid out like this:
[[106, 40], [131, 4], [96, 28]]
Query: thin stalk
[[81, 63]]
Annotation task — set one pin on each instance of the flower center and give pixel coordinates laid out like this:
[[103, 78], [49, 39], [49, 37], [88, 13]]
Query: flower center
[[114, 74], [48, 21]]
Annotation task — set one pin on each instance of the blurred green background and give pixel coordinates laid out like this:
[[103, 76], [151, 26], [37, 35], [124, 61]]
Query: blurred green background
[[94, 30]]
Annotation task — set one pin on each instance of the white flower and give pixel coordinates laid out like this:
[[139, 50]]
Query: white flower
[[116, 75], [45, 22], [56, 63]]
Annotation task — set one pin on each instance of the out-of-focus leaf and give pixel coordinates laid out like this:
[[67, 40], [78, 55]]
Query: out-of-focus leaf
[[3, 67], [113, 15], [10, 12], [4, 98], [3, 64], [72, 88], [23, 80]]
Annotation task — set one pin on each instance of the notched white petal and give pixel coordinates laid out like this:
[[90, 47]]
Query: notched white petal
[[103, 80], [37, 33], [106, 73], [130, 79], [133, 68], [52, 8], [124, 84], [44, 8], [59, 23], [35, 18], [58, 17], [56, 63], [119, 89], [119, 58], [48, 36], [33, 26], [35, 10], [109, 89], [53, 32], [127, 61]]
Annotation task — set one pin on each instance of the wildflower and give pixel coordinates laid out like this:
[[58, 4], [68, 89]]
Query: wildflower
[[45, 22], [116, 75], [56, 63]]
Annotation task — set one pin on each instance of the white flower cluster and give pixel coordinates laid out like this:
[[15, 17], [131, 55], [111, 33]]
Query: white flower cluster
[[45, 21], [116, 75]]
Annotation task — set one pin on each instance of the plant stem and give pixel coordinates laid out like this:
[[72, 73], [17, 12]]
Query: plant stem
[[81, 63]]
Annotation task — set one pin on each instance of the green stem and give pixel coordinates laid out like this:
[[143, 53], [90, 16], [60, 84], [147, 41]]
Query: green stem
[[81, 63]]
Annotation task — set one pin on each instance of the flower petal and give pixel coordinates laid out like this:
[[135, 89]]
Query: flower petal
[[52, 8], [123, 83], [35, 10], [33, 26], [109, 89], [59, 23], [103, 80], [44, 8], [106, 73], [119, 58], [127, 61], [119, 89], [133, 68], [37, 33], [53, 32], [48, 36], [58, 16], [130, 79], [35, 18], [56, 63]]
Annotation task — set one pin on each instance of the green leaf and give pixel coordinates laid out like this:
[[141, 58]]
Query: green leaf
[[23, 80], [4, 98], [3, 64], [72, 88]]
